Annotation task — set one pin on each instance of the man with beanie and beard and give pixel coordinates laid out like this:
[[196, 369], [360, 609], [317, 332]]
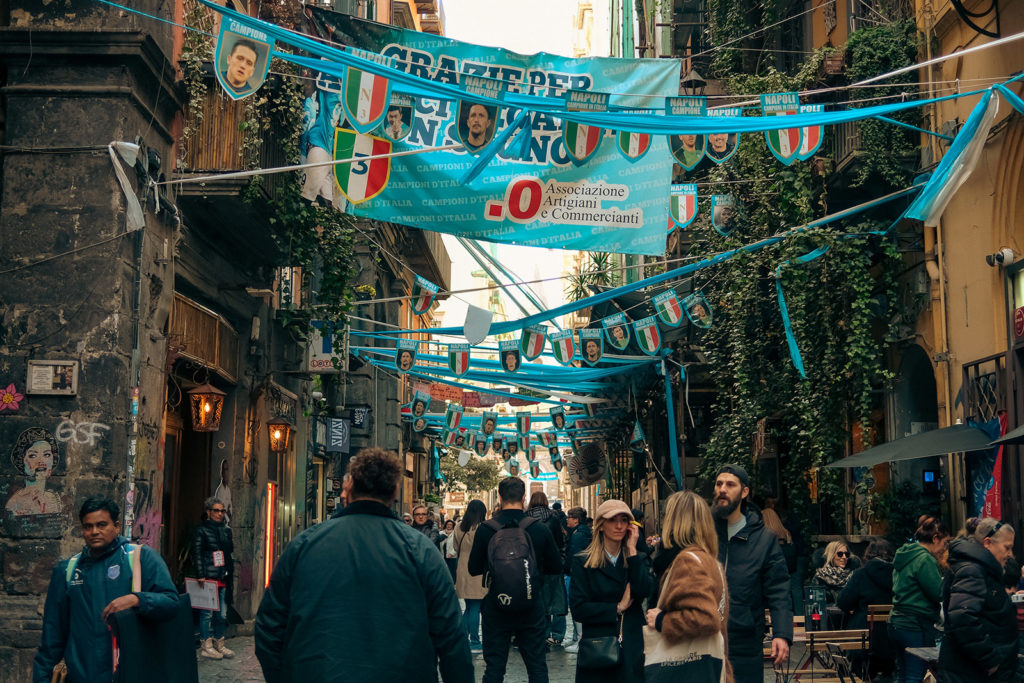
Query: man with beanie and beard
[[755, 572]]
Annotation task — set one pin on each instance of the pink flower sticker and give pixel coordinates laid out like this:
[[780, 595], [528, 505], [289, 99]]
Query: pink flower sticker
[[10, 398]]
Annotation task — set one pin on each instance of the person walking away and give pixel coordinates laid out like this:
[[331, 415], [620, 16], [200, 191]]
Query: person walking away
[[92, 585], [422, 523], [471, 589], [556, 602], [1013, 578], [916, 595], [871, 585], [580, 536], [756, 576], [980, 639], [514, 551], [362, 598], [610, 580], [451, 557], [692, 600], [212, 546]]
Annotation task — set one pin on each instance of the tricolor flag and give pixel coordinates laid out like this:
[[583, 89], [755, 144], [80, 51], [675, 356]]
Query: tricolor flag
[[524, 443], [562, 346], [361, 180], [648, 338], [634, 145], [580, 140], [682, 207], [812, 135], [453, 416], [423, 292], [534, 468], [458, 358], [449, 438], [523, 422], [784, 143], [531, 343], [669, 308], [366, 99], [547, 438]]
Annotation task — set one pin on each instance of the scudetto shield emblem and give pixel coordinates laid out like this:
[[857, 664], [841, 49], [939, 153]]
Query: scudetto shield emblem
[[648, 337], [523, 422], [547, 438], [562, 346], [423, 291], [452, 417], [616, 329], [361, 180], [531, 343], [534, 468], [581, 140], [784, 143], [591, 346], [524, 443], [683, 205], [366, 99], [449, 438], [669, 308], [458, 358], [634, 145], [812, 135]]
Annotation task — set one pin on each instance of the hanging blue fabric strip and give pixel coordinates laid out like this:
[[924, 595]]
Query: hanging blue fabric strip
[[794, 350], [1015, 101], [496, 145], [673, 440], [914, 128]]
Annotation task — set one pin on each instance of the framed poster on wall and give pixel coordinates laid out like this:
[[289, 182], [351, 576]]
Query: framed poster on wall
[[53, 377]]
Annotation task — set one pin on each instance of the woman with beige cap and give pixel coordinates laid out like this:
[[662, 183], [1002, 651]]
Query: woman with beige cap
[[610, 580]]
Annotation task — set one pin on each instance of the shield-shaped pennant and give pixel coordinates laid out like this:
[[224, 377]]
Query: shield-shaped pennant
[[698, 310], [562, 346], [523, 422], [531, 342], [449, 437], [524, 443], [581, 140], [476, 124], [721, 146], [453, 416], [670, 310], [366, 94], [556, 458], [361, 180], [512, 446], [480, 445], [458, 358], [783, 143], [489, 422], [634, 145], [591, 345], [687, 148], [557, 417], [423, 292], [636, 442], [242, 58], [648, 336], [547, 438], [682, 205], [398, 121], [534, 465], [724, 213], [812, 135], [405, 354], [616, 330], [508, 352], [498, 443], [513, 466], [464, 457]]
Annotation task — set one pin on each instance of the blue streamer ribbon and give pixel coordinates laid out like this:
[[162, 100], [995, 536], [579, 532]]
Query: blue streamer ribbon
[[497, 144], [794, 350]]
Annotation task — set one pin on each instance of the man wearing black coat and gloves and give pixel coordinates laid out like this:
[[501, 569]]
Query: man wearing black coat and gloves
[[755, 572], [362, 598]]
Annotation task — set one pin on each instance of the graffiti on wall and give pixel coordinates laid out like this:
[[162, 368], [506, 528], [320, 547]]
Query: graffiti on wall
[[32, 508]]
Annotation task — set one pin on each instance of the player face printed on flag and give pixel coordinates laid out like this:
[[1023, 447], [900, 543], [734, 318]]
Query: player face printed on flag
[[688, 149], [366, 94], [556, 458], [476, 125], [557, 417], [512, 446], [508, 352], [453, 416], [682, 207], [698, 310], [362, 179], [669, 308], [648, 337], [419, 424], [497, 443], [513, 467], [531, 342], [580, 140], [405, 354], [423, 292], [480, 444], [562, 346], [398, 119], [488, 423], [784, 143], [616, 330], [419, 403], [591, 346], [458, 358], [724, 213], [242, 58], [460, 439]]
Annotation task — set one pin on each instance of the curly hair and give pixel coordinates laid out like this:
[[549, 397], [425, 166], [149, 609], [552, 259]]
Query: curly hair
[[374, 474], [26, 439]]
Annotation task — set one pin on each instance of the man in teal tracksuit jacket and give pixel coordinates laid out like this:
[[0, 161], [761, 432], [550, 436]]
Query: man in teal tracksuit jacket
[[89, 587]]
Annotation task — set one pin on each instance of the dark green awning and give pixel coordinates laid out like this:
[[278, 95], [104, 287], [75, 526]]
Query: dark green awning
[[1012, 437], [955, 439]]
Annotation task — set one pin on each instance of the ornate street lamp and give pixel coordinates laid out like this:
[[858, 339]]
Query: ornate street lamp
[[693, 84], [280, 433], [207, 401]]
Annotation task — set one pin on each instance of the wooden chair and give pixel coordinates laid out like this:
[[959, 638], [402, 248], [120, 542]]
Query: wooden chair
[[822, 646], [841, 664]]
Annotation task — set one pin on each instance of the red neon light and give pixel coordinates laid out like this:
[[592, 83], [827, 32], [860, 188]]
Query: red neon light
[[268, 551]]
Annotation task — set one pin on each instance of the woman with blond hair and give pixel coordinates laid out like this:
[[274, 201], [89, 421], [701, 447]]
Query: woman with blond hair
[[836, 571], [692, 607], [610, 580]]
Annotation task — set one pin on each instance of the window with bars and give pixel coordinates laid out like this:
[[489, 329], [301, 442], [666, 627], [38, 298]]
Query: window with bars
[[985, 387]]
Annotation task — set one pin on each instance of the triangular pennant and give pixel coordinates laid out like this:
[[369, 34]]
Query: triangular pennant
[[591, 345], [636, 442], [783, 143], [562, 346], [242, 58], [648, 337], [669, 308], [423, 292]]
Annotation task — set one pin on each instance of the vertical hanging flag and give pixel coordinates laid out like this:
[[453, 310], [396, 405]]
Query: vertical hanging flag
[[669, 309], [423, 292], [453, 416], [523, 422], [242, 58], [636, 442], [721, 146], [531, 342], [648, 337], [580, 140], [534, 464], [698, 310], [687, 149], [562, 346], [508, 352], [458, 358], [784, 143], [616, 329], [361, 180], [634, 145], [591, 345], [812, 135], [405, 354], [489, 422], [682, 205], [724, 213], [366, 94], [557, 417], [480, 445]]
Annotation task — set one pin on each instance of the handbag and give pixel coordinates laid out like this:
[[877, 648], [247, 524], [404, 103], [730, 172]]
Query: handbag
[[696, 660], [602, 652]]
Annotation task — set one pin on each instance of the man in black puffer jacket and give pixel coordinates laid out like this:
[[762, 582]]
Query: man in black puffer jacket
[[212, 546], [871, 585], [980, 641]]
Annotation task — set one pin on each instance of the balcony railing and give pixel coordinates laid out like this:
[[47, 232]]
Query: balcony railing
[[846, 143]]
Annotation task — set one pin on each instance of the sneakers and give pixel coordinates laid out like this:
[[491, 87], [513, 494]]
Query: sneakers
[[476, 647], [219, 645], [209, 651], [573, 648]]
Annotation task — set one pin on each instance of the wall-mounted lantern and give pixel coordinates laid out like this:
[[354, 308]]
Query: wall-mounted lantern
[[280, 434], [207, 402]]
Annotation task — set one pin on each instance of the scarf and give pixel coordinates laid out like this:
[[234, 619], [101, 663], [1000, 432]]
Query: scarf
[[833, 576]]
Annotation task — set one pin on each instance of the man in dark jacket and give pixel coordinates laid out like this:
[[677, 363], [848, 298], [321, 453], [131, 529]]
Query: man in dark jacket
[[362, 598], [212, 546], [87, 588], [529, 627], [422, 523], [580, 535], [871, 585], [755, 572]]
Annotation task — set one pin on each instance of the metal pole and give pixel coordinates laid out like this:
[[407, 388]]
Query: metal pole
[[673, 441]]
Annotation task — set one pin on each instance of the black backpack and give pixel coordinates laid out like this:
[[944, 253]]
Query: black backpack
[[512, 566]]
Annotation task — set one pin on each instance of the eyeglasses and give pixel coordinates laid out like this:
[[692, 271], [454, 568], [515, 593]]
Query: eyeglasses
[[995, 530], [217, 510], [842, 553]]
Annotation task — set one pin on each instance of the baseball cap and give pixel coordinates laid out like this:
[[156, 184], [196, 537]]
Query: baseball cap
[[736, 471], [610, 508]]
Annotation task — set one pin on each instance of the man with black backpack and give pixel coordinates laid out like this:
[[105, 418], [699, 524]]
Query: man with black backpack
[[514, 552]]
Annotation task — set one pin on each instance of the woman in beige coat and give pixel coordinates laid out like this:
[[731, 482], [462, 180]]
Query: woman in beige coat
[[470, 588]]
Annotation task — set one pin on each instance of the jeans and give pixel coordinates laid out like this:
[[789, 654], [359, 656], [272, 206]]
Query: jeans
[[471, 620], [529, 630], [557, 630], [912, 669], [219, 618]]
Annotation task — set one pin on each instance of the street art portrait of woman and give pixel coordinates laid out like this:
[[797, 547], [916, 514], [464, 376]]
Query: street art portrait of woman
[[35, 454]]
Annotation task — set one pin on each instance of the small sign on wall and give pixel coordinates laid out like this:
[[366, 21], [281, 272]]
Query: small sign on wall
[[54, 377]]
